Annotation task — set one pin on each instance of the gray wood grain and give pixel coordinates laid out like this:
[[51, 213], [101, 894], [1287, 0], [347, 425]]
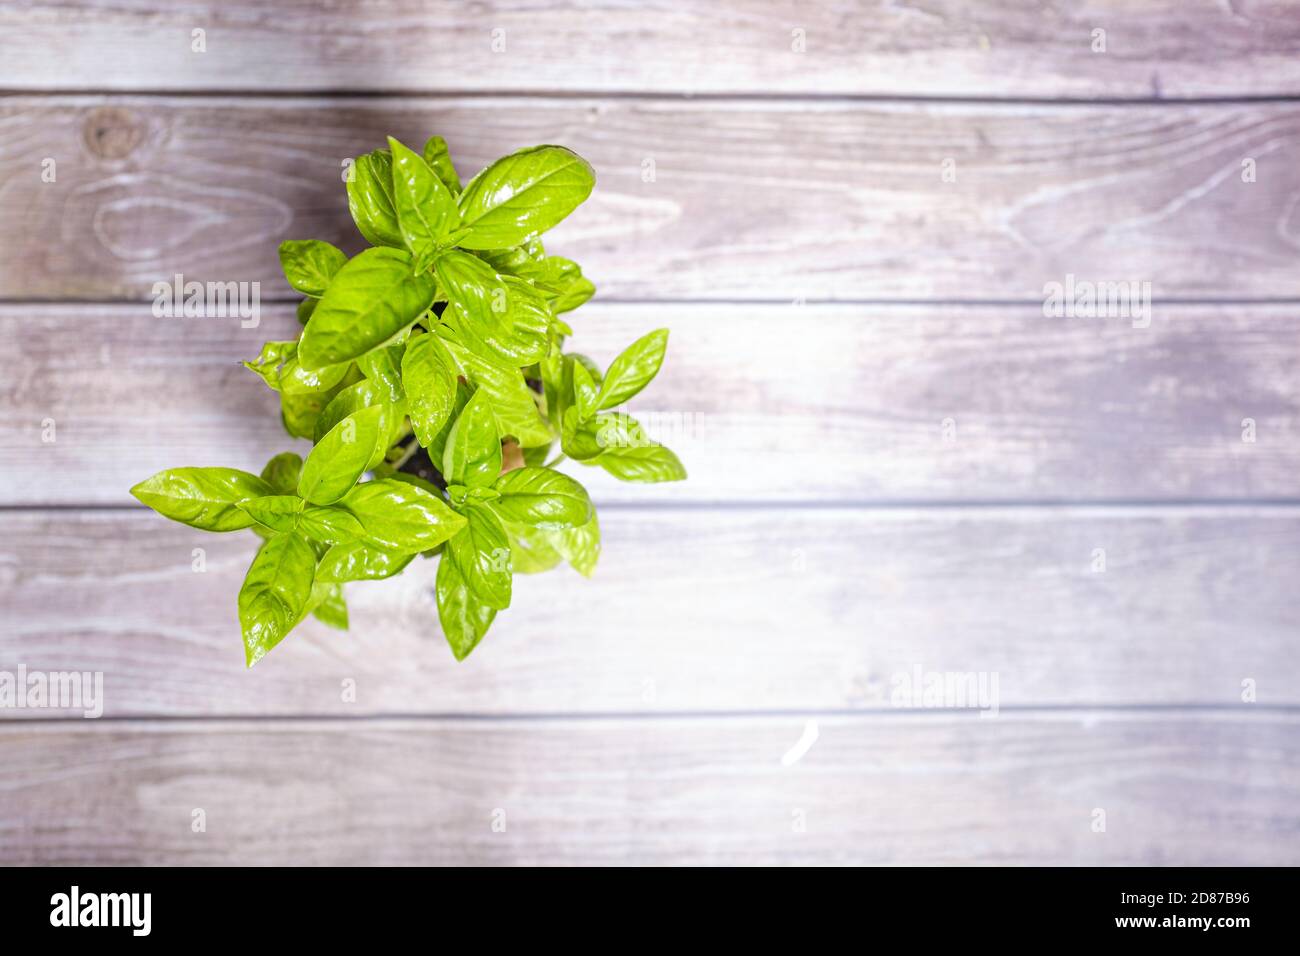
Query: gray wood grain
[[750, 199], [1175, 789], [1154, 48], [763, 403], [696, 610]]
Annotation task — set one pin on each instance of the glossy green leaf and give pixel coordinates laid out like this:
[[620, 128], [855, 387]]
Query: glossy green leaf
[[276, 512], [633, 369], [585, 392], [300, 413], [370, 199], [275, 593], [426, 209], [373, 299], [204, 498], [579, 439], [541, 498], [401, 517], [282, 471], [279, 367], [305, 308], [522, 195], [514, 404], [472, 456], [653, 463], [354, 561], [475, 292], [500, 317], [573, 287], [383, 366], [482, 555], [437, 448], [340, 458], [537, 455], [429, 378], [330, 525], [310, 264], [463, 615], [438, 157], [329, 605], [364, 394], [579, 546], [531, 550], [630, 455]]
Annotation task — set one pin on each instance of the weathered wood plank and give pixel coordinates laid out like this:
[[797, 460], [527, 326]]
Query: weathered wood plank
[[696, 610], [736, 200], [1175, 789], [1153, 48], [763, 403]]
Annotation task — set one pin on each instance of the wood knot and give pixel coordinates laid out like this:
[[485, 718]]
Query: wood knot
[[112, 133]]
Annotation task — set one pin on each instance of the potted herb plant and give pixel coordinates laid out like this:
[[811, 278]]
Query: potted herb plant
[[430, 376]]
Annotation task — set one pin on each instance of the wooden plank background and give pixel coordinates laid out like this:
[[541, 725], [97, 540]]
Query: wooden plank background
[[899, 466], [733, 199]]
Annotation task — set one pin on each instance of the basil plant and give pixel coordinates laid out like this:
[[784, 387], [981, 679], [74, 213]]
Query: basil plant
[[430, 376]]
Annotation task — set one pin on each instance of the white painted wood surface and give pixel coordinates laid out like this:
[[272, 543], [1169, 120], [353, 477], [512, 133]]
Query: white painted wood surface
[[1151, 48], [736, 199], [836, 291], [1175, 789], [763, 403], [698, 610]]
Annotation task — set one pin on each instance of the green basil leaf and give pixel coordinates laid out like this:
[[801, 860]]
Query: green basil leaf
[[579, 546], [464, 617], [531, 550], [481, 552], [277, 512], [430, 382], [514, 404], [279, 367], [330, 608], [282, 471], [366, 393], [630, 455], [426, 209], [354, 561], [401, 517], [309, 264], [647, 464], [593, 370], [437, 448], [537, 455], [473, 453], [579, 439], [341, 457], [438, 157], [522, 195], [373, 299], [570, 287], [370, 199], [275, 593], [301, 412], [500, 317], [633, 369], [541, 498], [330, 525], [476, 293], [270, 361], [305, 308], [383, 367], [204, 498], [584, 392], [516, 261]]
